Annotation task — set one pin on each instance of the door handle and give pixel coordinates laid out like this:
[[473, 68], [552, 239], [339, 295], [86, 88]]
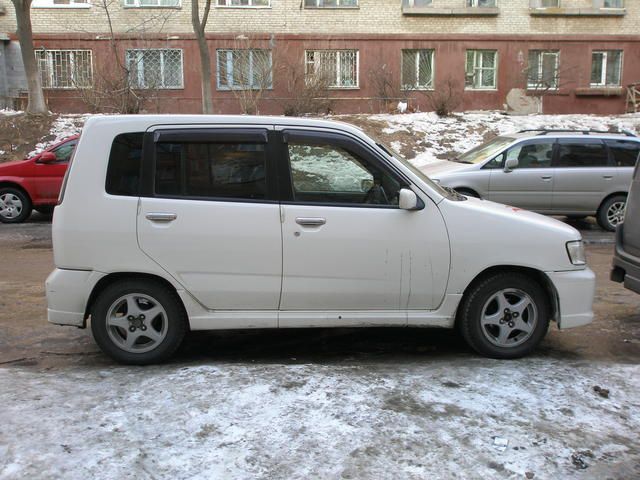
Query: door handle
[[607, 177], [161, 217], [311, 221], [546, 177]]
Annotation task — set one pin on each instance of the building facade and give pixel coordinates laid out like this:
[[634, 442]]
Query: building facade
[[287, 56]]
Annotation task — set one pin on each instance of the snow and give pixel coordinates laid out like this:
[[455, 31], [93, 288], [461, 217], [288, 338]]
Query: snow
[[64, 126], [401, 418]]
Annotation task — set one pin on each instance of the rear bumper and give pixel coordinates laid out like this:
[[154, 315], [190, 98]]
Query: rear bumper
[[576, 290], [67, 295], [626, 267]]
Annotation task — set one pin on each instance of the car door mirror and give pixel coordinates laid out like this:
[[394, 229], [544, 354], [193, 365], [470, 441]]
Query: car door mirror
[[47, 157], [510, 164], [408, 200]]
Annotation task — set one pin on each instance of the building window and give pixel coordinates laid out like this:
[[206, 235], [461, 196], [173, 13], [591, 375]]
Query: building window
[[481, 69], [330, 3], [61, 4], [417, 69], [545, 3], [613, 4], [152, 3], [542, 73], [155, 68], [417, 3], [606, 68], [244, 69], [338, 68], [482, 3], [243, 3], [65, 68]]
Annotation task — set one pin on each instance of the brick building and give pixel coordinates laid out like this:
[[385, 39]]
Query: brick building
[[570, 55]]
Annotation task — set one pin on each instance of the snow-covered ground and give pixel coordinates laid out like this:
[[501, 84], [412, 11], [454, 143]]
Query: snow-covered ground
[[423, 418]]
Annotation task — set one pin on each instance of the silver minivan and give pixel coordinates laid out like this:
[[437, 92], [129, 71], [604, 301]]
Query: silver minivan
[[555, 172]]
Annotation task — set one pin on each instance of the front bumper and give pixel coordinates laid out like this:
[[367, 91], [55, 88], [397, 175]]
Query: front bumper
[[575, 290], [67, 295]]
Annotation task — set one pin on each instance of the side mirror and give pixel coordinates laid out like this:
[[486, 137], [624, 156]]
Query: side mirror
[[47, 157], [510, 164], [408, 200]]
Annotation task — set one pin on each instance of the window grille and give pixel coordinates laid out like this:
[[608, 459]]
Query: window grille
[[65, 68], [244, 69], [155, 68], [338, 68]]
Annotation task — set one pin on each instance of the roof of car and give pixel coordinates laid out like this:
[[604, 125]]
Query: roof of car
[[553, 133]]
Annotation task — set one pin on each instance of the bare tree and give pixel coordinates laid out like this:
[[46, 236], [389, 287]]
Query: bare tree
[[36, 104], [199, 25], [307, 91], [386, 87], [445, 98]]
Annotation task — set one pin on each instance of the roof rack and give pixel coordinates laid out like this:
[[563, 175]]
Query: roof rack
[[544, 131]]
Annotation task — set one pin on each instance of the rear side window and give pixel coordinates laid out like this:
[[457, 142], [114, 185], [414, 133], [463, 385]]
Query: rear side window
[[581, 154], [625, 153], [218, 170], [125, 165]]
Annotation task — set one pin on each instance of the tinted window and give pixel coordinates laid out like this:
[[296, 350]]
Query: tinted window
[[625, 153], [582, 154], [532, 154], [63, 152], [235, 170], [331, 174], [125, 164]]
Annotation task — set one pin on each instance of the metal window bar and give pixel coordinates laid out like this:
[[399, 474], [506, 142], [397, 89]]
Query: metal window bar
[[341, 67], [65, 69], [155, 68]]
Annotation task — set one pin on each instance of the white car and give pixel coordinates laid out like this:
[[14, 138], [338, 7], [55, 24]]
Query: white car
[[176, 223]]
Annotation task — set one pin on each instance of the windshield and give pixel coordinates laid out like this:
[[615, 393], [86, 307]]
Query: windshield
[[484, 151], [392, 153]]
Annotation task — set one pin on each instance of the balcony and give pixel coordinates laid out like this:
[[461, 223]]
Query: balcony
[[466, 8]]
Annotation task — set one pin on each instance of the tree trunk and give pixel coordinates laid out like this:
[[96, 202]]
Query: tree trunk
[[36, 105], [205, 57]]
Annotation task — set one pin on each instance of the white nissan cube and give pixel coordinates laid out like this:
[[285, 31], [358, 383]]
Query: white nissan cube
[[173, 223]]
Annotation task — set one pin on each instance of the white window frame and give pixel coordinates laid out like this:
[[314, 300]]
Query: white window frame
[[540, 66], [137, 4], [228, 52], [336, 85], [227, 4], [603, 75], [141, 51], [50, 73], [480, 70], [317, 4], [419, 52], [50, 4]]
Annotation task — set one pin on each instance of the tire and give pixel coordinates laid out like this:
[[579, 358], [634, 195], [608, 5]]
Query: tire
[[611, 212], [125, 305], [15, 205], [493, 332], [45, 209]]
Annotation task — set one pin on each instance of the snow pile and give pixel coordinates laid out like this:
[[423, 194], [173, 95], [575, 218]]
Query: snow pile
[[64, 126]]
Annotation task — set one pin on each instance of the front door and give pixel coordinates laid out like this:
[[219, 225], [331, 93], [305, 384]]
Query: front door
[[47, 177], [530, 184], [347, 245], [209, 216]]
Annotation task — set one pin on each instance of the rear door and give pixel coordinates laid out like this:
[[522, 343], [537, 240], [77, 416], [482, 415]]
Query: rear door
[[583, 173], [624, 154], [210, 217], [530, 184]]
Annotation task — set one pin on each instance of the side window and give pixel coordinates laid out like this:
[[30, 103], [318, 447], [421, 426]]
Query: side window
[[125, 164], [63, 152], [535, 154], [625, 153], [198, 169], [495, 163], [324, 173], [582, 154]]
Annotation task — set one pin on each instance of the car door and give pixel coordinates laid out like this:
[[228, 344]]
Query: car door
[[347, 245], [583, 172], [624, 155], [47, 177], [530, 184], [210, 217]]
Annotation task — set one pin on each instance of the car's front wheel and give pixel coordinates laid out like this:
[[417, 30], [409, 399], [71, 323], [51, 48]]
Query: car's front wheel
[[505, 315], [611, 212], [138, 322], [15, 205]]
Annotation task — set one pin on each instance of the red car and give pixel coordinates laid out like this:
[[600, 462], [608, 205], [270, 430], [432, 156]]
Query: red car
[[34, 183]]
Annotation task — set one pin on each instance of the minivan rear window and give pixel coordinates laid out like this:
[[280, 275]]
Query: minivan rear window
[[581, 154], [125, 165], [625, 152]]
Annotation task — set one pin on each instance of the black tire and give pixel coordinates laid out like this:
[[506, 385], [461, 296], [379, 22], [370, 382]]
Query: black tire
[[467, 193], [15, 214], [107, 336], [480, 299], [45, 209], [603, 216]]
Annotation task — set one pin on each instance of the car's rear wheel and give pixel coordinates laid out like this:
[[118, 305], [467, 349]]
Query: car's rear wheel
[[505, 315], [611, 212], [138, 322], [15, 205]]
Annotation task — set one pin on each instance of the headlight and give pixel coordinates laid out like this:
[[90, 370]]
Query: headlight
[[575, 250]]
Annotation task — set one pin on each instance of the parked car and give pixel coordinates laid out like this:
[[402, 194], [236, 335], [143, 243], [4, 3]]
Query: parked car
[[34, 182], [555, 172], [626, 260], [176, 223]]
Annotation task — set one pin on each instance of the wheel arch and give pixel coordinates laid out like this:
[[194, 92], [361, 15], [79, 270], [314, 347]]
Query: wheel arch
[[115, 277], [472, 191], [17, 186]]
